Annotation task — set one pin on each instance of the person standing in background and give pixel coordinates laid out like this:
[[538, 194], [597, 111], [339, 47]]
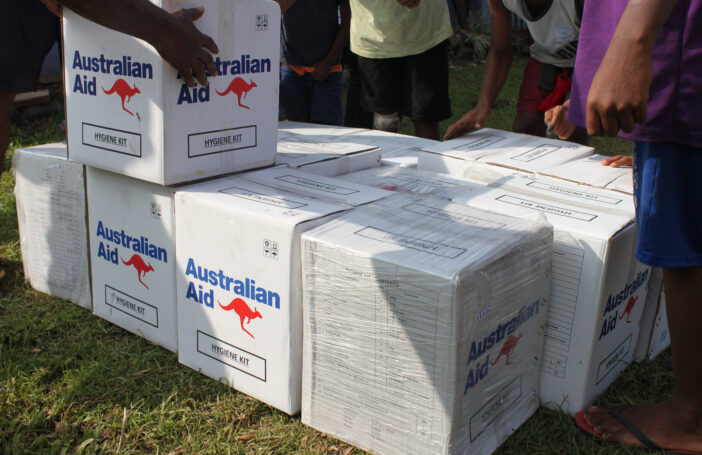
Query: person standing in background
[[403, 61], [554, 26], [314, 34]]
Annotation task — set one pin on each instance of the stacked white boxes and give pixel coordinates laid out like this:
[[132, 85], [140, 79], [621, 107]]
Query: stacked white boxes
[[589, 171], [597, 286], [130, 112], [423, 324], [132, 254], [50, 194], [408, 180], [239, 286], [488, 154]]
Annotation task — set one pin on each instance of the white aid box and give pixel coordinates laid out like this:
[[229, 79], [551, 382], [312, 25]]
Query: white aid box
[[653, 336], [423, 325], [597, 286], [238, 280], [590, 171], [130, 112], [408, 180], [395, 149], [132, 254], [512, 152], [50, 195]]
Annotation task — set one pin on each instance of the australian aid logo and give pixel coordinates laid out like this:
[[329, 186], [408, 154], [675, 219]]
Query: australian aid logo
[[506, 336], [236, 85], [118, 247], [248, 296], [611, 314], [93, 71]]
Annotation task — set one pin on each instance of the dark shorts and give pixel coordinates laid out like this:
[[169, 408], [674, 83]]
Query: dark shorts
[[304, 99], [27, 32], [668, 200], [416, 85], [530, 94]]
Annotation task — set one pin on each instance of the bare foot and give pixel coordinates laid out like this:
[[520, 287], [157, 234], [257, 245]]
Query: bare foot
[[661, 423]]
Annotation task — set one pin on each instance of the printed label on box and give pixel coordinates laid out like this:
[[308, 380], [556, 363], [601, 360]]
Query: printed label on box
[[563, 211], [496, 406], [112, 140], [131, 306], [613, 359], [220, 141], [232, 356], [426, 246]]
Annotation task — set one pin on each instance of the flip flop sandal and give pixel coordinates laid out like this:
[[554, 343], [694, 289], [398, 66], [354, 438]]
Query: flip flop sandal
[[633, 429]]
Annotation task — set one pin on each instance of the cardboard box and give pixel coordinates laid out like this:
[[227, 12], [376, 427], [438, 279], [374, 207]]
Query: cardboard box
[[50, 195], [653, 336], [132, 254], [324, 155], [395, 149], [423, 325], [408, 180], [511, 151], [330, 165], [129, 112], [313, 131], [589, 171], [596, 282], [239, 285]]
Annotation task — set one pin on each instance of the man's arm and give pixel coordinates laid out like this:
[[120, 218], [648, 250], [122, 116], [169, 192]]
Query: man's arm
[[497, 66], [322, 67], [174, 36], [619, 92]]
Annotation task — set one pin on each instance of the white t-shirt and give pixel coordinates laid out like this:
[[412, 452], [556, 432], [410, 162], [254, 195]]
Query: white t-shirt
[[555, 32], [386, 29]]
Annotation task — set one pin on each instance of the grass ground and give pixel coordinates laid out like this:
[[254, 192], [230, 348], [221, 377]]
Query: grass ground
[[72, 383]]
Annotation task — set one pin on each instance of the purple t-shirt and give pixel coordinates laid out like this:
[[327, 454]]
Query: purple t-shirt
[[675, 104]]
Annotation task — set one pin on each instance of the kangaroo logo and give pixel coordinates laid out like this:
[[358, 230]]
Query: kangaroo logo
[[140, 267], [124, 91], [507, 348], [242, 309], [629, 306], [239, 87]]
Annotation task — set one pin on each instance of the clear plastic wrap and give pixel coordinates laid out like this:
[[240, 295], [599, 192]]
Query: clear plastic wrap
[[423, 325], [50, 194]]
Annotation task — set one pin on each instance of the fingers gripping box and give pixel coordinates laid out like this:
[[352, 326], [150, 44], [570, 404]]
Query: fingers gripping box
[[50, 194], [132, 254], [239, 285], [130, 112], [598, 288], [589, 171], [423, 325]]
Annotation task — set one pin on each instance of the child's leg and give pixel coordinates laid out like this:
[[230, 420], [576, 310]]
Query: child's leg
[[325, 102], [294, 95], [669, 219]]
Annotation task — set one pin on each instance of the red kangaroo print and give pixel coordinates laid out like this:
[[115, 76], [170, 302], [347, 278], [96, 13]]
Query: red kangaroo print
[[239, 87], [629, 306], [242, 309], [507, 348], [124, 91], [140, 267]]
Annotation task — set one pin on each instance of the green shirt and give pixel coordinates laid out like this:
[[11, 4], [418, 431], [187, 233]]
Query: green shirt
[[386, 29]]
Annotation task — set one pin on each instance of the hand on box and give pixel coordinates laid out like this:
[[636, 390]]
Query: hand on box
[[185, 48], [555, 119], [618, 160], [471, 121]]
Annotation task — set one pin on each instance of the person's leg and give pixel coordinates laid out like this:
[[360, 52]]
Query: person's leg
[[529, 119], [669, 222], [354, 114], [382, 88], [428, 97], [529, 123], [6, 99], [294, 96], [325, 102]]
